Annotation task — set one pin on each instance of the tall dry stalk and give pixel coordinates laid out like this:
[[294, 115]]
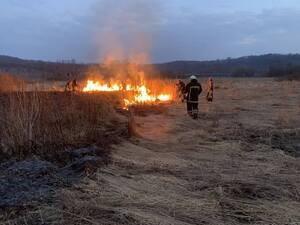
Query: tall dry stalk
[[45, 123], [20, 121]]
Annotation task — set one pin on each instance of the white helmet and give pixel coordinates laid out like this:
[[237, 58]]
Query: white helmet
[[193, 77]]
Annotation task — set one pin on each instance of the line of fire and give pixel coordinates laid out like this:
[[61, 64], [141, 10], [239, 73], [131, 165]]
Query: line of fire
[[134, 87]]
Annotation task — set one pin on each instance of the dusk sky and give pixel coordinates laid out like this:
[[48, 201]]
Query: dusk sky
[[166, 30]]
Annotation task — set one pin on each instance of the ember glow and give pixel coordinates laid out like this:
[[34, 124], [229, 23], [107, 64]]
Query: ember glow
[[134, 94]]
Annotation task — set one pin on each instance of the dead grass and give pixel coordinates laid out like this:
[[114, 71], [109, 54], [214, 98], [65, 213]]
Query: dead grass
[[230, 167], [45, 123], [10, 83]]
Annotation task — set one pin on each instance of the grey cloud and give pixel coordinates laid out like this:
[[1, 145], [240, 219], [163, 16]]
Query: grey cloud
[[31, 32], [219, 35], [166, 30]]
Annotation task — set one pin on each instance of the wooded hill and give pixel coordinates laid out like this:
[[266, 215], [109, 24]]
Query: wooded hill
[[264, 65]]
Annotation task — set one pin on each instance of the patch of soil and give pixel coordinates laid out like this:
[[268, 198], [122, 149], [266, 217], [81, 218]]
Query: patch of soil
[[34, 181]]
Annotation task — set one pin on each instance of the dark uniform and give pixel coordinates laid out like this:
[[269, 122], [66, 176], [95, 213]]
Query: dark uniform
[[193, 90], [74, 85], [68, 86], [71, 85]]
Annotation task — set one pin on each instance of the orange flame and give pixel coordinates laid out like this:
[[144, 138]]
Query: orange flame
[[141, 94], [96, 86]]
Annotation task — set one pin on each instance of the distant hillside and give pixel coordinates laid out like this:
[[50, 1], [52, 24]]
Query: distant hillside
[[264, 65], [244, 66], [33, 69], [8, 60]]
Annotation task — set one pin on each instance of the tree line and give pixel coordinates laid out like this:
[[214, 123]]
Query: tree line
[[273, 65]]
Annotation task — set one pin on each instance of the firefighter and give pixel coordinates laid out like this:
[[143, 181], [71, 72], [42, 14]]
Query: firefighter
[[210, 90], [68, 86], [181, 89], [193, 90], [74, 85], [71, 85]]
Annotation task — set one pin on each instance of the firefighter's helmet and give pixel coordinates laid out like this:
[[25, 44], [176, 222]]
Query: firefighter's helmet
[[193, 77]]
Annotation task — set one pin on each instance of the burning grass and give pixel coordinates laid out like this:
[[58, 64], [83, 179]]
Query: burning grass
[[135, 93], [46, 122]]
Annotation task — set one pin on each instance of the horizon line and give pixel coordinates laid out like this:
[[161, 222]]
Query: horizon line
[[74, 61]]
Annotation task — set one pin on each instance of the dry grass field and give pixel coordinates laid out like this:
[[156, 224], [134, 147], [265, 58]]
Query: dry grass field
[[239, 163]]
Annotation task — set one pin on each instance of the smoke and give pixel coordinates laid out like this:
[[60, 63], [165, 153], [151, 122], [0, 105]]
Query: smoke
[[124, 29]]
